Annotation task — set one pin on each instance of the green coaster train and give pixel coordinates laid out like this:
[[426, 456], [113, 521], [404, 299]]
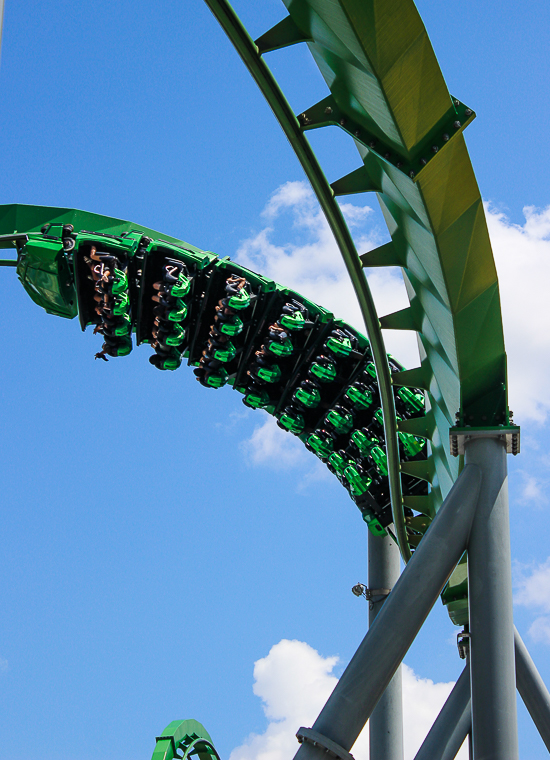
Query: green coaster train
[[284, 353]]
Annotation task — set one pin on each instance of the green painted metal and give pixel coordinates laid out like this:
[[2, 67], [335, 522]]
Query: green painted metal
[[183, 739], [250, 53], [388, 93]]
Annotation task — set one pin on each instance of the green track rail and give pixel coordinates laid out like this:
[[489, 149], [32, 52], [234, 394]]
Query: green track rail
[[249, 52], [387, 92]]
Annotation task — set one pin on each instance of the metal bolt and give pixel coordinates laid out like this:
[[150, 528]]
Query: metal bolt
[[423, 161], [456, 124], [372, 144], [435, 148], [387, 155], [468, 112], [342, 122], [411, 175], [357, 133], [328, 110], [445, 137], [457, 102], [399, 164]]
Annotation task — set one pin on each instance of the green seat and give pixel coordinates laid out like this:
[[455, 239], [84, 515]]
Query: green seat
[[309, 396], [240, 300], [359, 482], [294, 321], [256, 399], [322, 445], [362, 441], [281, 348], [414, 402], [230, 328], [340, 419], [325, 372], [171, 363], [338, 462], [374, 524], [176, 337], [124, 348], [371, 370], [412, 445], [182, 287], [121, 305], [123, 326], [178, 312], [292, 421], [225, 353], [120, 282], [216, 379], [339, 346], [269, 374], [359, 395], [379, 458]]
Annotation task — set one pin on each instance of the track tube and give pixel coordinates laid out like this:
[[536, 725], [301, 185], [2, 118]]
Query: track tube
[[263, 77]]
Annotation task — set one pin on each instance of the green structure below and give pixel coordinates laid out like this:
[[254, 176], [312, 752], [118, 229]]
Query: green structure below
[[183, 739]]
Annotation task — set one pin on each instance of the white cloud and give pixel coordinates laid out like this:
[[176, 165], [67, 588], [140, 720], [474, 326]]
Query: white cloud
[[533, 489], [269, 445], [534, 588], [533, 591], [422, 701], [522, 255], [294, 681], [540, 630]]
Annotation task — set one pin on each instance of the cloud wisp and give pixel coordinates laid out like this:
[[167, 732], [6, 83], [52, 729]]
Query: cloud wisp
[[522, 256], [294, 681], [533, 591]]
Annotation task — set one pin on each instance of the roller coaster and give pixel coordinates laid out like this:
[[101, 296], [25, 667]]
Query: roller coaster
[[421, 452]]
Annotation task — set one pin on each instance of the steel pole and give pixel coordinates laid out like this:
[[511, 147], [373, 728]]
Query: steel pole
[[452, 725], [494, 715], [386, 722], [380, 653], [532, 690]]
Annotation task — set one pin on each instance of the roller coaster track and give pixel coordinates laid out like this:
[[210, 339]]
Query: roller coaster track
[[364, 415], [387, 92]]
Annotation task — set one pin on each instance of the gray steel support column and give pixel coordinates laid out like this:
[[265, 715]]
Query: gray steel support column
[[494, 714], [452, 725], [532, 690], [386, 722], [380, 653]]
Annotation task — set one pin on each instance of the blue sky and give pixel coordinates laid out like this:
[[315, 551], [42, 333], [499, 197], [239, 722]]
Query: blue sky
[[157, 538]]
